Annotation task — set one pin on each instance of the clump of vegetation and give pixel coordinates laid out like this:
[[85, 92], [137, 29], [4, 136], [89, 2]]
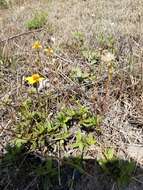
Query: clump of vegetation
[[92, 56], [120, 170], [35, 128], [78, 74], [3, 4], [107, 42], [78, 39], [38, 133], [49, 172], [38, 21]]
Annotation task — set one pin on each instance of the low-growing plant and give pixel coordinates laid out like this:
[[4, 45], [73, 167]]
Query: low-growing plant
[[120, 170], [67, 128], [3, 4], [82, 77], [80, 117], [78, 38], [83, 141], [34, 127], [92, 56], [107, 42], [38, 21], [79, 75]]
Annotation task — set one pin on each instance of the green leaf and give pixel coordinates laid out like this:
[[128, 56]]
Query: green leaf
[[127, 168], [80, 141], [78, 35], [19, 142], [49, 125], [79, 75], [109, 153], [81, 146], [70, 112], [78, 136], [62, 136], [89, 122], [38, 21], [92, 56], [90, 139], [62, 118]]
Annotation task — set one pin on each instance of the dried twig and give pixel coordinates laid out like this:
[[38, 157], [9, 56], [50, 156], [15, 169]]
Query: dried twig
[[21, 34]]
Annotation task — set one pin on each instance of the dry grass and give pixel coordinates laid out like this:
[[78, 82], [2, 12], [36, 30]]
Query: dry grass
[[116, 26]]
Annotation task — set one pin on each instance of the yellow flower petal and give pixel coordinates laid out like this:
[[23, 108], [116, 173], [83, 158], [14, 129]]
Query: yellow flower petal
[[49, 51], [37, 45], [30, 80], [35, 78]]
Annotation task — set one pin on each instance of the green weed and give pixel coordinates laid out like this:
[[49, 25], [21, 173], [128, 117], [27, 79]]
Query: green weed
[[92, 56], [79, 75], [83, 141], [34, 127], [3, 4], [82, 77], [78, 38], [107, 42], [38, 21], [120, 170]]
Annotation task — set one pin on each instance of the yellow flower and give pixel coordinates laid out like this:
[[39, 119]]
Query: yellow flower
[[37, 45], [35, 78], [49, 51]]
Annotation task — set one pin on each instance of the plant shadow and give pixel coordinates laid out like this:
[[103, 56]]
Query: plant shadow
[[21, 169]]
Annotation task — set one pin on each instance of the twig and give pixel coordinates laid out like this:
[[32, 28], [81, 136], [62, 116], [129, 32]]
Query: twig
[[63, 59], [20, 34], [2, 129], [31, 183], [6, 186], [70, 164], [72, 181], [59, 167], [139, 181]]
